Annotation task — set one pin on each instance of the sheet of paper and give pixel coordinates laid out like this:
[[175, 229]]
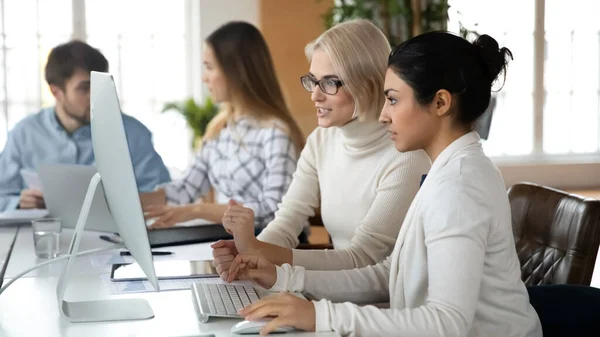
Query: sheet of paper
[[32, 180], [129, 287], [21, 215]]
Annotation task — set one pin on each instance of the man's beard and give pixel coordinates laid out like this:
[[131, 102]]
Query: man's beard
[[82, 120]]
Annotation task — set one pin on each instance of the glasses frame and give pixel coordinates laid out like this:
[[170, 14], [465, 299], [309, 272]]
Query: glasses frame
[[338, 84]]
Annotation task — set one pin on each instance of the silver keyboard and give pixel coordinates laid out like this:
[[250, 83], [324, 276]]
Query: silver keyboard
[[213, 297]]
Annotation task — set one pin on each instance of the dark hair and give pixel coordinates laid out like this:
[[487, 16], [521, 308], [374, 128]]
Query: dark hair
[[66, 58], [243, 56], [441, 60]]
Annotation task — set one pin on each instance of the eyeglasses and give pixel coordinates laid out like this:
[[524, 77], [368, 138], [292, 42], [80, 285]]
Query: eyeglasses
[[329, 86]]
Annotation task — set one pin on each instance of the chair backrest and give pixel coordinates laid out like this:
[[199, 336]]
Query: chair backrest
[[556, 234]]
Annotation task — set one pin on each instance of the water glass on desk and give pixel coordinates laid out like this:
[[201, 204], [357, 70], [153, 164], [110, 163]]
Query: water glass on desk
[[46, 234]]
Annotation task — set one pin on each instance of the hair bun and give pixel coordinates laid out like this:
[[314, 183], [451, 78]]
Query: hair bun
[[495, 59]]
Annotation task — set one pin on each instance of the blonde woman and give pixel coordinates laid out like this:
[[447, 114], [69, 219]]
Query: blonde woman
[[251, 147], [349, 167]]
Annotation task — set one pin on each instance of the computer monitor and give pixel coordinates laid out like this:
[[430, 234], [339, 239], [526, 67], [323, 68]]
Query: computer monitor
[[484, 123], [115, 173]]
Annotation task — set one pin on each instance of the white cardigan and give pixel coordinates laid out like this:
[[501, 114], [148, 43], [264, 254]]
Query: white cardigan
[[454, 269]]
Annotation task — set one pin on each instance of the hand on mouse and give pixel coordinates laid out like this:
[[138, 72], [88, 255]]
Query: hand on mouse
[[253, 267], [288, 310]]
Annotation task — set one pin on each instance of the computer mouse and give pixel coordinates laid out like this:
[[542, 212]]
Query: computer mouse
[[254, 327]]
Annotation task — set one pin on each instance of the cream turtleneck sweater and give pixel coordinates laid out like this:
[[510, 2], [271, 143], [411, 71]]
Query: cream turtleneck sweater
[[364, 187]]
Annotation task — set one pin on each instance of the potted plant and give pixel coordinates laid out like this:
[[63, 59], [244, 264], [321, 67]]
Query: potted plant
[[197, 116], [398, 19]]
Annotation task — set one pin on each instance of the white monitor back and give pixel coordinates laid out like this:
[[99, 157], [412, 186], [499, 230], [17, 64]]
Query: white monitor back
[[114, 165]]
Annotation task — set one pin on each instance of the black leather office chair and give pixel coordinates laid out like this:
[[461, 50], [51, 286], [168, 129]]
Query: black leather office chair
[[556, 234]]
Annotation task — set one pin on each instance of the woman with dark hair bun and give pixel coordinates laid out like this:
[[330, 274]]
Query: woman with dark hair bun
[[454, 270]]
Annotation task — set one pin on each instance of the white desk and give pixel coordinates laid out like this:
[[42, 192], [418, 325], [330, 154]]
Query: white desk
[[23, 255], [29, 307]]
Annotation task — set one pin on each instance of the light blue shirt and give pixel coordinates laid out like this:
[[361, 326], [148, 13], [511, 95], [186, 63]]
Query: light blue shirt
[[41, 139]]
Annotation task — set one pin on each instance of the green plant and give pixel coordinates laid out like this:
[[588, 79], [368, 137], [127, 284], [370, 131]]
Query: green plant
[[398, 19], [197, 116]]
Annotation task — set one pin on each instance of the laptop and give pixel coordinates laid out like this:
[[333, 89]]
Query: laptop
[[65, 187]]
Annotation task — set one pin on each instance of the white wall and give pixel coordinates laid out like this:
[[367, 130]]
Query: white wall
[[214, 13]]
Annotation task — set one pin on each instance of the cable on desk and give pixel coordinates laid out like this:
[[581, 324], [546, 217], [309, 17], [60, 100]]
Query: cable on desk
[[64, 257], [5, 266]]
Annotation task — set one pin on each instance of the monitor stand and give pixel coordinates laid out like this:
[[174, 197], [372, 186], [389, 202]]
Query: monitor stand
[[99, 310]]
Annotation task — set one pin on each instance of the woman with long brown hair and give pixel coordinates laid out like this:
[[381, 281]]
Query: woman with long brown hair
[[250, 148]]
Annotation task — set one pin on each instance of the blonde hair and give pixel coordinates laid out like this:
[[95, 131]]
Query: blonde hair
[[243, 56], [359, 52]]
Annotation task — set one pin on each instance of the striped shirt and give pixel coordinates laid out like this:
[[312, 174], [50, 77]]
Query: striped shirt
[[250, 163]]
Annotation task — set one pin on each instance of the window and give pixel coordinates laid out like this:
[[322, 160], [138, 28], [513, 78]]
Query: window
[[28, 29], [553, 113], [572, 38], [144, 42]]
